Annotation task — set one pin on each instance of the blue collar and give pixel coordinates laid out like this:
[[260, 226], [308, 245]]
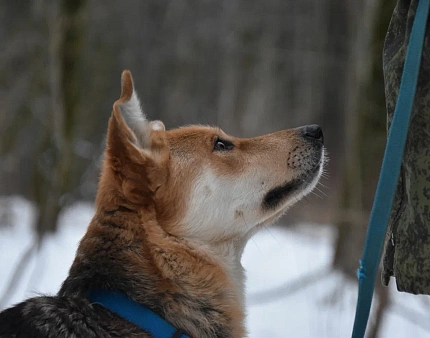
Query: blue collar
[[135, 313]]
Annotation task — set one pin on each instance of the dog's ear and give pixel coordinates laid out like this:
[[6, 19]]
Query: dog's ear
[[136, 147], [129, 108]]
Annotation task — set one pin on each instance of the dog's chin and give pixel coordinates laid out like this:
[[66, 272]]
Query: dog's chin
[[279, 199], [303, 188]]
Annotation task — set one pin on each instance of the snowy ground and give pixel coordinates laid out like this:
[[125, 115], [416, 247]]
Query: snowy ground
[[278, 305]]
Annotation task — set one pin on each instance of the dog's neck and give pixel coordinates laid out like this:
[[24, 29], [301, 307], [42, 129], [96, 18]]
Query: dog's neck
[[229, 253], [199, 289]]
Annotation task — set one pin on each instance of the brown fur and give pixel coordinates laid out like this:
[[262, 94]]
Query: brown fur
[[127, 203]]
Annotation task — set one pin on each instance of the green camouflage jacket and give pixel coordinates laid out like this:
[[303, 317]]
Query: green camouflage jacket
[[407, 245]]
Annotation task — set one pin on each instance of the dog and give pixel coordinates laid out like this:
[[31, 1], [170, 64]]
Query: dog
[[174, 210]]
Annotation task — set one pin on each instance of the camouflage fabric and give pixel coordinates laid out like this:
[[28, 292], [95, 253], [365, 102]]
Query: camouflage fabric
[[407, 246]]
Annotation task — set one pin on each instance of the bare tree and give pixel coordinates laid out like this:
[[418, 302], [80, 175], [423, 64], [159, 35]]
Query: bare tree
[[365, 136], [53, 174]]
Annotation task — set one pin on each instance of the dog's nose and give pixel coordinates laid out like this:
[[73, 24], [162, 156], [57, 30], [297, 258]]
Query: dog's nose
[[313, 131]]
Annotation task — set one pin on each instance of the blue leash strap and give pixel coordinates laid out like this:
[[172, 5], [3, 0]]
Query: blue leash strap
[[390, 171], [135, 313]]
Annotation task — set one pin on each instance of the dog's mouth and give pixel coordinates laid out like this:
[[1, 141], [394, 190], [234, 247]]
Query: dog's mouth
[[300, 185]]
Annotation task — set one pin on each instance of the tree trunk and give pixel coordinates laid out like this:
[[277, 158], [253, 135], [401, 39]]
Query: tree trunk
[[365, 136], [54, 177]]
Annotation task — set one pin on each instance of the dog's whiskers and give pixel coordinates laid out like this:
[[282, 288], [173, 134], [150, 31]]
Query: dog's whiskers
[[322, 192], [305, 198], [325, 174], [315, 194], [255, 243], [265, 227], [323, 185]]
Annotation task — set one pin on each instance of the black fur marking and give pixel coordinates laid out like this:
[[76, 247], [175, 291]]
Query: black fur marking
[[275, 196]]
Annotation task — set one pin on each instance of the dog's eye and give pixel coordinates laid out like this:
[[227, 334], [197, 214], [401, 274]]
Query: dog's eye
[[223, 145]]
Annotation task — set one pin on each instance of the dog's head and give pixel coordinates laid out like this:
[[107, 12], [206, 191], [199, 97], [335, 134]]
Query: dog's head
[[200, 182]]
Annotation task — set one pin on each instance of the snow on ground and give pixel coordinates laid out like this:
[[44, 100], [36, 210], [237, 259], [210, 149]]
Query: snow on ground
[[278, 262]]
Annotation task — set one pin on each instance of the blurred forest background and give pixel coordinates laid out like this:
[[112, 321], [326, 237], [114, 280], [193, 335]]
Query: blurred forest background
[[251, 67]]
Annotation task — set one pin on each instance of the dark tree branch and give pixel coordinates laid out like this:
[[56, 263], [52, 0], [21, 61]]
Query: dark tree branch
[[17, 274]]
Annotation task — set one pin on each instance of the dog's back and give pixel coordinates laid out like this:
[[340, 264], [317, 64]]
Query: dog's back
[[43, 317]]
